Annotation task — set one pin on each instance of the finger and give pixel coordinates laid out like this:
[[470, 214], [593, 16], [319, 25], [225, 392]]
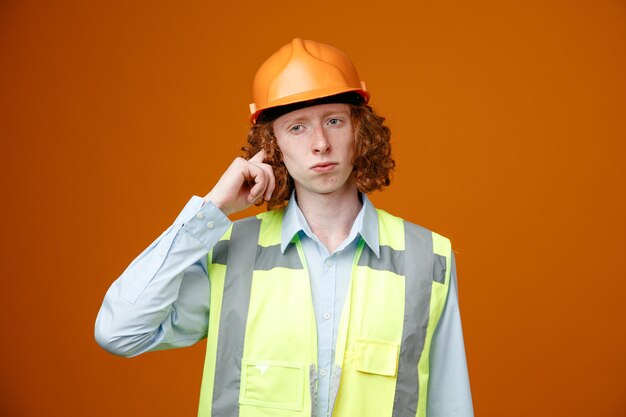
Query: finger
[[271, 181], [258, 158], [250, 171], [260, 183]]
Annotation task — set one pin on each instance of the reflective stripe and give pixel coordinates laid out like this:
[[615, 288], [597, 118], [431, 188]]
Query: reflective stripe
[[313, 389], [390, 260], [269, 257], [220, 253], [334, 387], [233, 317], [439, 268], [418, 285]]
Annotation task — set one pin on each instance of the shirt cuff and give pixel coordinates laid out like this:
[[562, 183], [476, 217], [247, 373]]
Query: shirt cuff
[[204, 221]]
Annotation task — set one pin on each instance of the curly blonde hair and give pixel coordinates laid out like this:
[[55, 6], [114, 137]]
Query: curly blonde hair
[[372, 161]]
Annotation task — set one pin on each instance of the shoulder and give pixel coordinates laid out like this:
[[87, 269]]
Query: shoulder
[[267, 216], [385, 218], [268, 225], [389, 221]]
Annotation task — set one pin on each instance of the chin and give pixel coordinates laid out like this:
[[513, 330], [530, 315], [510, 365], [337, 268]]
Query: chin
[[327, 186], [333, 189]]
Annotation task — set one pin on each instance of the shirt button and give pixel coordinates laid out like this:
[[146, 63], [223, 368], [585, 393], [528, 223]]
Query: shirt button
[[210, 225], [200, 216], [328, 263], [326, 316], [323, 372]]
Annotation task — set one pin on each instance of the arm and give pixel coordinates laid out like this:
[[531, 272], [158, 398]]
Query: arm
[[449, 392], [162, 299]]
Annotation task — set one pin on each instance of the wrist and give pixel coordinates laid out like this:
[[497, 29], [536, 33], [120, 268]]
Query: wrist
[[216, 202]]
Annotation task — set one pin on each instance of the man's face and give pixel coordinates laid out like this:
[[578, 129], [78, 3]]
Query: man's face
[[317, 144]]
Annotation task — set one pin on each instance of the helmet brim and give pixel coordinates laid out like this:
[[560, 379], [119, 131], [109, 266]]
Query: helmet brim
[[310, 98]]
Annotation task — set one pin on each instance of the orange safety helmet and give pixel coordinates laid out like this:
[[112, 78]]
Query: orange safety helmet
[[302, 71]]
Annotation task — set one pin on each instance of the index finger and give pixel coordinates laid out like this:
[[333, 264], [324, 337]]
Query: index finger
[[259, 157]]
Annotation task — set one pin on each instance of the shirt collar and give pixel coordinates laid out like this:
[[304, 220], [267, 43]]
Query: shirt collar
[[365, 224]]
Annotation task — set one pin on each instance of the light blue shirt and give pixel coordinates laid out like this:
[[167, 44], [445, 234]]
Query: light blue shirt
[[161, 301]]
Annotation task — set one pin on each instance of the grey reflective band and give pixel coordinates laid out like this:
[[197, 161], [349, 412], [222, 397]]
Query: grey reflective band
[[390, 260], [334, 388], [236, 299], [313, 389], [439, 268], [418, 285], [220, 253], [269, 257]]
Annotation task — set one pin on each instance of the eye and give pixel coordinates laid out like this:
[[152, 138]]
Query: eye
[[335, 121], [296, 128]]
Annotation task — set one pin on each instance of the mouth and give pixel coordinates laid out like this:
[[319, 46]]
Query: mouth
[[324, 166]]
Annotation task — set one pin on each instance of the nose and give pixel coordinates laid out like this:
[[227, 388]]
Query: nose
[[321, 144]]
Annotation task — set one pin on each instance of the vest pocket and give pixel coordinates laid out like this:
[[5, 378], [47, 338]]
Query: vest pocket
[[273, 384], [377, 357]]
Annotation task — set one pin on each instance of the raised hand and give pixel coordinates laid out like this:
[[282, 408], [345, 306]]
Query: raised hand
[[242, 184]]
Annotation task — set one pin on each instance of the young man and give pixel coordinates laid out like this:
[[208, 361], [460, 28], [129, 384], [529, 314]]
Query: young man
[[325, 306]]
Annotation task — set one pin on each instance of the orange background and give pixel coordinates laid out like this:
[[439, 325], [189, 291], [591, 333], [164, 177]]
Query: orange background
[[509, 130]]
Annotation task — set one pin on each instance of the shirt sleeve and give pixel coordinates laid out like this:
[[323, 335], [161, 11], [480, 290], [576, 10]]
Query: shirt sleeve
[[161, 301], [449, 392]]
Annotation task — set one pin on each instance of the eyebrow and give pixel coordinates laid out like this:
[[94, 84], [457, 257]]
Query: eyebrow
[[338, 112], [323, 116]]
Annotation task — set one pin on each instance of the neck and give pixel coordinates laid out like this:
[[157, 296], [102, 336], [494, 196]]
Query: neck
[[330, 216]]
